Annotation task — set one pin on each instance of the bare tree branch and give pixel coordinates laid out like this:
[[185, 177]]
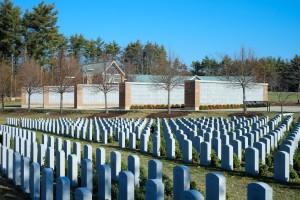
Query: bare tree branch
[[67, 73], [168, 76], [239, 71], [30, 78]]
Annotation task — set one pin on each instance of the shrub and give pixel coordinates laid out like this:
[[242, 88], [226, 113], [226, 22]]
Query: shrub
[[126, 142], [178, 154], [114, 190], [168, 186], [293, 173], [236, 162], [149, 146], [263, 169], [195, 156], [215, 161], [193, 185], [109, 138], [139, 193], [137, 144], [123, 166]]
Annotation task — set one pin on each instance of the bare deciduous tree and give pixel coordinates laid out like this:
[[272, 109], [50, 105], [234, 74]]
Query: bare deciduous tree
[[66, 74], [239, 72], [282, 97], [103, 82], [5, 74], [167, 76], [30, 78]]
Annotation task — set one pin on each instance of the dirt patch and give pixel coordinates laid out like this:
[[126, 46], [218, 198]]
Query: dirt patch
[[248, 114], [110, 114], [165, 114]]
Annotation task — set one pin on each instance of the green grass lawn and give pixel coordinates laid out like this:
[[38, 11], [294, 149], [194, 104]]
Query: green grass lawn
[[292, 99], [236, 181]]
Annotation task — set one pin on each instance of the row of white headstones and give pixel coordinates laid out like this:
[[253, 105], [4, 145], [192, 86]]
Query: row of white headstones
[[48, 145]]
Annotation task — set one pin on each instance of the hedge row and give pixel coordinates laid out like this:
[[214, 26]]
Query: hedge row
[[219, 106], [159, 106]]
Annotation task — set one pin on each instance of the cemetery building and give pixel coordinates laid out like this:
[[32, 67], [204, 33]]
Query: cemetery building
[[192, 92], [113, 69]]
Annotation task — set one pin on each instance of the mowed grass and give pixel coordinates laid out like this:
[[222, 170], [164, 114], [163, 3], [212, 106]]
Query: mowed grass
[[292, 97], [236, 181]]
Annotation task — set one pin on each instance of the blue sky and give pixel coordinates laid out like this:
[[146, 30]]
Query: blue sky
[[190, 29]]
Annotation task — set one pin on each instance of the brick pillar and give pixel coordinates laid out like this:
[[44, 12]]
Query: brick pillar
[[266, 92], [125, 95], [78, 96], [23, 98], [46, 97], [192, 95]]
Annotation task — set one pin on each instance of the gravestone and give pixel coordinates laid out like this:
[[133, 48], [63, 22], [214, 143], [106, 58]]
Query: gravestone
[[104, 182], [58, 145], [50, 158], [41, 154], [122, 139], [17, 168], [126, 182], [156, 145], [83, 194], [47, 184], [25, 174], [216, 146], [191, 195], [72, 169], [261, 150], [100, 157], [87, 174], [155, 169], [34, 152], [60, 163], [170, 147], [237, 148], [205, 155], [197, 143], [10, 163], [154, 189], [281, 166], [259, 191], [88, 152], [227, 157], [252, 161], [187, 151], [67, 148], [181, 180], [115, 164], [63, 188], [134, 167], [215, 186], [77, 152], [35, 181], [132, 141]]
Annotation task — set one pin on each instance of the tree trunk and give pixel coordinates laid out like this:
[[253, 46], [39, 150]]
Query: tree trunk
[[244, 100], [169, 107], [281, 109], [105, 100], [298, 94], [28, 102], [2, 98], [61, 102]]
